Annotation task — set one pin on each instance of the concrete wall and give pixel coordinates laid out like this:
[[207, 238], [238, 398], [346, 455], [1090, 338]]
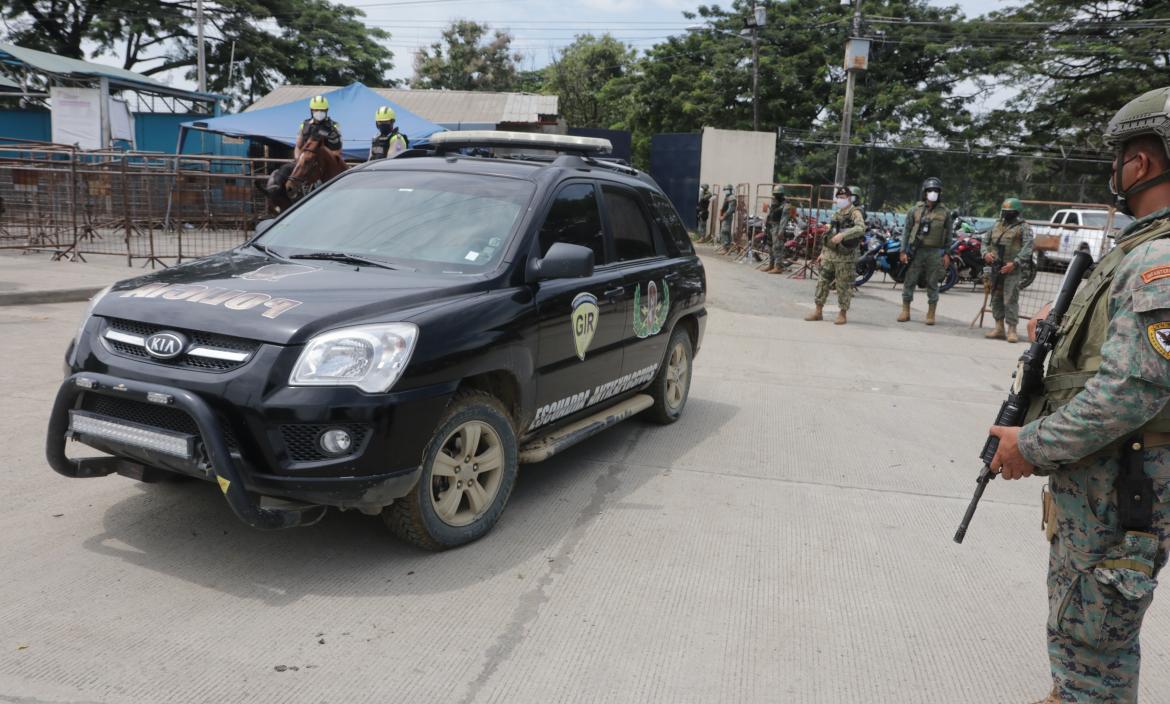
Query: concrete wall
[[734, 157]]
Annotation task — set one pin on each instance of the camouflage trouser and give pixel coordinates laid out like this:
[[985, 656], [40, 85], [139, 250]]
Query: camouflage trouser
[[1093, 628], [725, 232], [841, 271], [925, 270], [702, 226], [777, 254], [1005, 299]]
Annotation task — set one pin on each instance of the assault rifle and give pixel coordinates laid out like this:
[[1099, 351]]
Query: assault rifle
[[1028, 379]]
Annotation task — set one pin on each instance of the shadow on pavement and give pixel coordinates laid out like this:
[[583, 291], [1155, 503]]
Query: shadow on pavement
[[186, 530]]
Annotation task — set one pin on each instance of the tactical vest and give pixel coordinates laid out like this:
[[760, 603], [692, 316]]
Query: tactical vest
[[935, 221], [388, 145], [842, 220], [1082, 333], [1010, 236]]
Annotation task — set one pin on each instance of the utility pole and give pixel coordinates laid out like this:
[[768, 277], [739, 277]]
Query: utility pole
[[202, 74], [757, 20], [852, 66]]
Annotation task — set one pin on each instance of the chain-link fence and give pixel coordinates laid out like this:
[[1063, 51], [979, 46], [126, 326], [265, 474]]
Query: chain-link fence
[[154, 208]]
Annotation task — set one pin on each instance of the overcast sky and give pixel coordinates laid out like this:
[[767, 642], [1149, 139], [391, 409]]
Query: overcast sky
[[540, 27]]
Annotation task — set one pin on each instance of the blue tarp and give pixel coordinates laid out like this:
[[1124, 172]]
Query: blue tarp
[[352, 107]]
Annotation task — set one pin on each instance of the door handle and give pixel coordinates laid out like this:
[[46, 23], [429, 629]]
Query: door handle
[[614, 292]]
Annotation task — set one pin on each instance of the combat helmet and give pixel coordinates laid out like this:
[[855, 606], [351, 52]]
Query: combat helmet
[[778, 191], [930, 184], [1012, 204], [1147, 114]]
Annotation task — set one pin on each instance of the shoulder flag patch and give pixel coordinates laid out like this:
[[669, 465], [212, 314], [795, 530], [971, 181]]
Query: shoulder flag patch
[[1158, 272], [1159, 334]]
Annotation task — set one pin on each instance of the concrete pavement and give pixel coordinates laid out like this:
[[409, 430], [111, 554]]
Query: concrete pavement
[[788, 540], [34, 278]]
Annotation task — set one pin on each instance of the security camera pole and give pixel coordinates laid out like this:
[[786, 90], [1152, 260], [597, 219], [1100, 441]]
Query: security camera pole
[[856, 59]]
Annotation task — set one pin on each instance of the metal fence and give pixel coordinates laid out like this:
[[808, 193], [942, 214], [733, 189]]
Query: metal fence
[[150, 208]]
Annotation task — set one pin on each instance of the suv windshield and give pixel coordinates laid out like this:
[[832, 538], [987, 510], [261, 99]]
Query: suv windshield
[[436, 222], [1120, 220]]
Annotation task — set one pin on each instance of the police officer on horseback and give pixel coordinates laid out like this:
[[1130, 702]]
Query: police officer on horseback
[[389, 142], [319, 126]]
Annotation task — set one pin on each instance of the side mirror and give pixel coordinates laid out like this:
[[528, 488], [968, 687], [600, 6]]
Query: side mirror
[[563, 261], [264, 225]]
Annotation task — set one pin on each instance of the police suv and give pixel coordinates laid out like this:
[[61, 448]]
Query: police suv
[[399, 341]]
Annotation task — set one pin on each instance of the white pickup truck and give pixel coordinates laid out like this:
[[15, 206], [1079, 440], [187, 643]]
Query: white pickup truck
[[1074, 226]]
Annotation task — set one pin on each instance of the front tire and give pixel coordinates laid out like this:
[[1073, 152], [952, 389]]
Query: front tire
[[672, 386], [950, 277], [468, 471], [864, 271]]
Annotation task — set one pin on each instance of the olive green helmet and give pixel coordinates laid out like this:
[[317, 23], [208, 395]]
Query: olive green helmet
[[778, 191], [1013, 204], [1146, 114]]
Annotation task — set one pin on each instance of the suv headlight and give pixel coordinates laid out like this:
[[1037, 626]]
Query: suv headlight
[[97, 297], [370, 357]]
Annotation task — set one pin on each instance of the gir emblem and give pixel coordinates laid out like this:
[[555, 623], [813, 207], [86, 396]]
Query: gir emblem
[[584, 316], [1159, 334]]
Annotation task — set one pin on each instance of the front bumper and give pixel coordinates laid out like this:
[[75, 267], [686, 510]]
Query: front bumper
[[205, 451]]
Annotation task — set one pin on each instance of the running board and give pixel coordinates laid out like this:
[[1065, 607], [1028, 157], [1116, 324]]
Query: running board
[[549, 445]]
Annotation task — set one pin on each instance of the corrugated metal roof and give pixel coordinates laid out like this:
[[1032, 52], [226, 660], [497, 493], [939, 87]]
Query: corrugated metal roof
[[65, 66], [441, 106]]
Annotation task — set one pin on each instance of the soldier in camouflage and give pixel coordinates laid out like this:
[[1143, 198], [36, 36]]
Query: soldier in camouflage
[[1012, 236], [726, 219], [703, 210], [838, 256], [1104, 419], [930, 227], [779, 216]]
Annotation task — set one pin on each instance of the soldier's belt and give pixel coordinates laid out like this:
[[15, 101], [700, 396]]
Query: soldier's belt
[[1155, 439]]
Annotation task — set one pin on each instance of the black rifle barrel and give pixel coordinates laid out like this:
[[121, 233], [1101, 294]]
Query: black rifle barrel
[[1029, 379]]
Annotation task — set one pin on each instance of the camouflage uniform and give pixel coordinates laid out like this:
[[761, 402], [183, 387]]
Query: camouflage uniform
[[1016, 240], [726, 219], [839, 261], [926, 266], [703, 212], [1108, 378], [778, 218]]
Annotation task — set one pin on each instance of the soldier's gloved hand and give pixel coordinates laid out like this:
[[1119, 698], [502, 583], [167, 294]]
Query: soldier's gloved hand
[[903, 258], [837, 238], [1008, 268], [1008, 461], [1034, 321]]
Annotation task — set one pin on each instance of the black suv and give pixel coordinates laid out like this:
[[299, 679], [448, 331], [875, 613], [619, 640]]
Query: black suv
[[398, 341]]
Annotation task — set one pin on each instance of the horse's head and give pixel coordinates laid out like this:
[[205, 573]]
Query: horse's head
[[306, 169]]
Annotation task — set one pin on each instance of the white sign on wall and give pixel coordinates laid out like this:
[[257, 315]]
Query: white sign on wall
[[77, 116]]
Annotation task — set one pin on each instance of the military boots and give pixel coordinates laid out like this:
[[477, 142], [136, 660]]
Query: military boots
[[905, 314], [997, 333], [817, 314], [1011, 335], [930, 313], [840, 318], [1052, 698]]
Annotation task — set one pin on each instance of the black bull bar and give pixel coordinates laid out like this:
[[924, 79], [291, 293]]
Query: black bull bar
[[228, 476]]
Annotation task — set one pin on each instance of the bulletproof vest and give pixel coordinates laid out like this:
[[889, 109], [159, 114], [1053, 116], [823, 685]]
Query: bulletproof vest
[[778, 211], [1011, 236], [842, 220], [308, 126], [1082, 333], [387, 144], [930, 226]]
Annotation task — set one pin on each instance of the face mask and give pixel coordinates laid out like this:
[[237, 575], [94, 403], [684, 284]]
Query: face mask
[[385, 127], [318, 115], [1010, 216], [843, 203], [932, 196]]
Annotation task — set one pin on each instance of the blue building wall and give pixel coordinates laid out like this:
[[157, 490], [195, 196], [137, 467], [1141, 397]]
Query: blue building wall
[[674, 164], [153, 132]]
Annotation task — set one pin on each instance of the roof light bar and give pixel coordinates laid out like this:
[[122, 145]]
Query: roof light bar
[[446, 141]]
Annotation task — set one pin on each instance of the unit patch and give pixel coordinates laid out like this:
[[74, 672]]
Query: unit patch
[[1158, 272], [584, 317], [650, 314], [1159, 334], [571, 404]]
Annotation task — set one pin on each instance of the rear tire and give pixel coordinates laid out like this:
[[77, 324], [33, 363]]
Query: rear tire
[[949, 279], [864, 271], [468, 471], [672, 385]]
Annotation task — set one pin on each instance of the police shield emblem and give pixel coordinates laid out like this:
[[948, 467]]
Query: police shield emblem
[[584, 317], [1159, 334]]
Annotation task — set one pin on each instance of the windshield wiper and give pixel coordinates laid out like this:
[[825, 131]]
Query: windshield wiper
[[343, 257], [266, 249]]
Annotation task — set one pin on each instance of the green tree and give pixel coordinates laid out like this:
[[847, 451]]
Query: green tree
[[468, 59], [586, 76], [313, 41]]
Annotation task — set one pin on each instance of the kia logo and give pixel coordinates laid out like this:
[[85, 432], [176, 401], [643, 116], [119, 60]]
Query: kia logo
[[165, 345]]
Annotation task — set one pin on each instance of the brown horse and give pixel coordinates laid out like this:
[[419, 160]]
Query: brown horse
[[315, 164]]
